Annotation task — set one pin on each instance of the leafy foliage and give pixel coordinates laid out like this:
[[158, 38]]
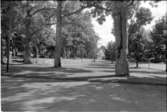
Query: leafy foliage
[[81, 38], [40, 16], [158, 46], [136, 40], [110, 51]]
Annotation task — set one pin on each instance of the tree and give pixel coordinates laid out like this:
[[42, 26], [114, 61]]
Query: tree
[[120, 32], [58, 48], [99, 9], [80, 38], [136, 47], [62, 14], [31, 9], [159, 41], [121, 11], [110, 51], [8, 25], [26, 13]]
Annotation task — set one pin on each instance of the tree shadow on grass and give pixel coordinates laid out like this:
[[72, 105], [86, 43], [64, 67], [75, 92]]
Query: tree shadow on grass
[[141, 71], [110, 71], [148, 72], [102, 66], [81, 97], [60, 74], [59, 78], [141, 78], [16, 69], [45, 73], [154, 81]]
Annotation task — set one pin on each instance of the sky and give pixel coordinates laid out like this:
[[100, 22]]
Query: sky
[[104, 30]]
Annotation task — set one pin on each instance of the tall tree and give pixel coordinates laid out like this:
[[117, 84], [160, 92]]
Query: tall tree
[[8, 25], [110, 51], [121, 12], [142, 17], [80, 37], [29, 10], [159, 43], [71, 9], [120, 26], [58, 48]]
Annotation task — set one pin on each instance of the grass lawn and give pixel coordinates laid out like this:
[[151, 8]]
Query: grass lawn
[[82, 85]]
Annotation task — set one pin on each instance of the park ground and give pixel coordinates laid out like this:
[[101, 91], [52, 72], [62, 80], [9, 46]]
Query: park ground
[[82, 85]]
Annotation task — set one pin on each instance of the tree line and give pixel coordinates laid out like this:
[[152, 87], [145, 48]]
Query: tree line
[[144, 46], [34, 19], [29, 25]]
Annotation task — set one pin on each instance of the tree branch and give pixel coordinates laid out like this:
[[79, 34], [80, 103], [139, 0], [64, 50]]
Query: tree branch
[[75, 12], [35, 31], [131, 3], [103, 8], [42, 9], [84, 7]]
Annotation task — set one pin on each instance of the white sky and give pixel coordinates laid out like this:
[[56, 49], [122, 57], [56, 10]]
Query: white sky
[[104, 30]]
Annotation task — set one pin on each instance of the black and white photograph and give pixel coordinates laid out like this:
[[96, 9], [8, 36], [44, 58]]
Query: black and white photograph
[[83, 56]]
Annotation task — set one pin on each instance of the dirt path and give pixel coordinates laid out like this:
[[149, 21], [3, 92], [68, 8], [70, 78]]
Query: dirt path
[[40, 94]]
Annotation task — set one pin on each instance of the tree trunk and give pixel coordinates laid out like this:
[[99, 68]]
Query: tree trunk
[[8, 45], [37, 54], [120, 24], [27, 53], [57, 55], [137, 64], [8, 51], [166, 56], [14, 53], [27, 48]]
